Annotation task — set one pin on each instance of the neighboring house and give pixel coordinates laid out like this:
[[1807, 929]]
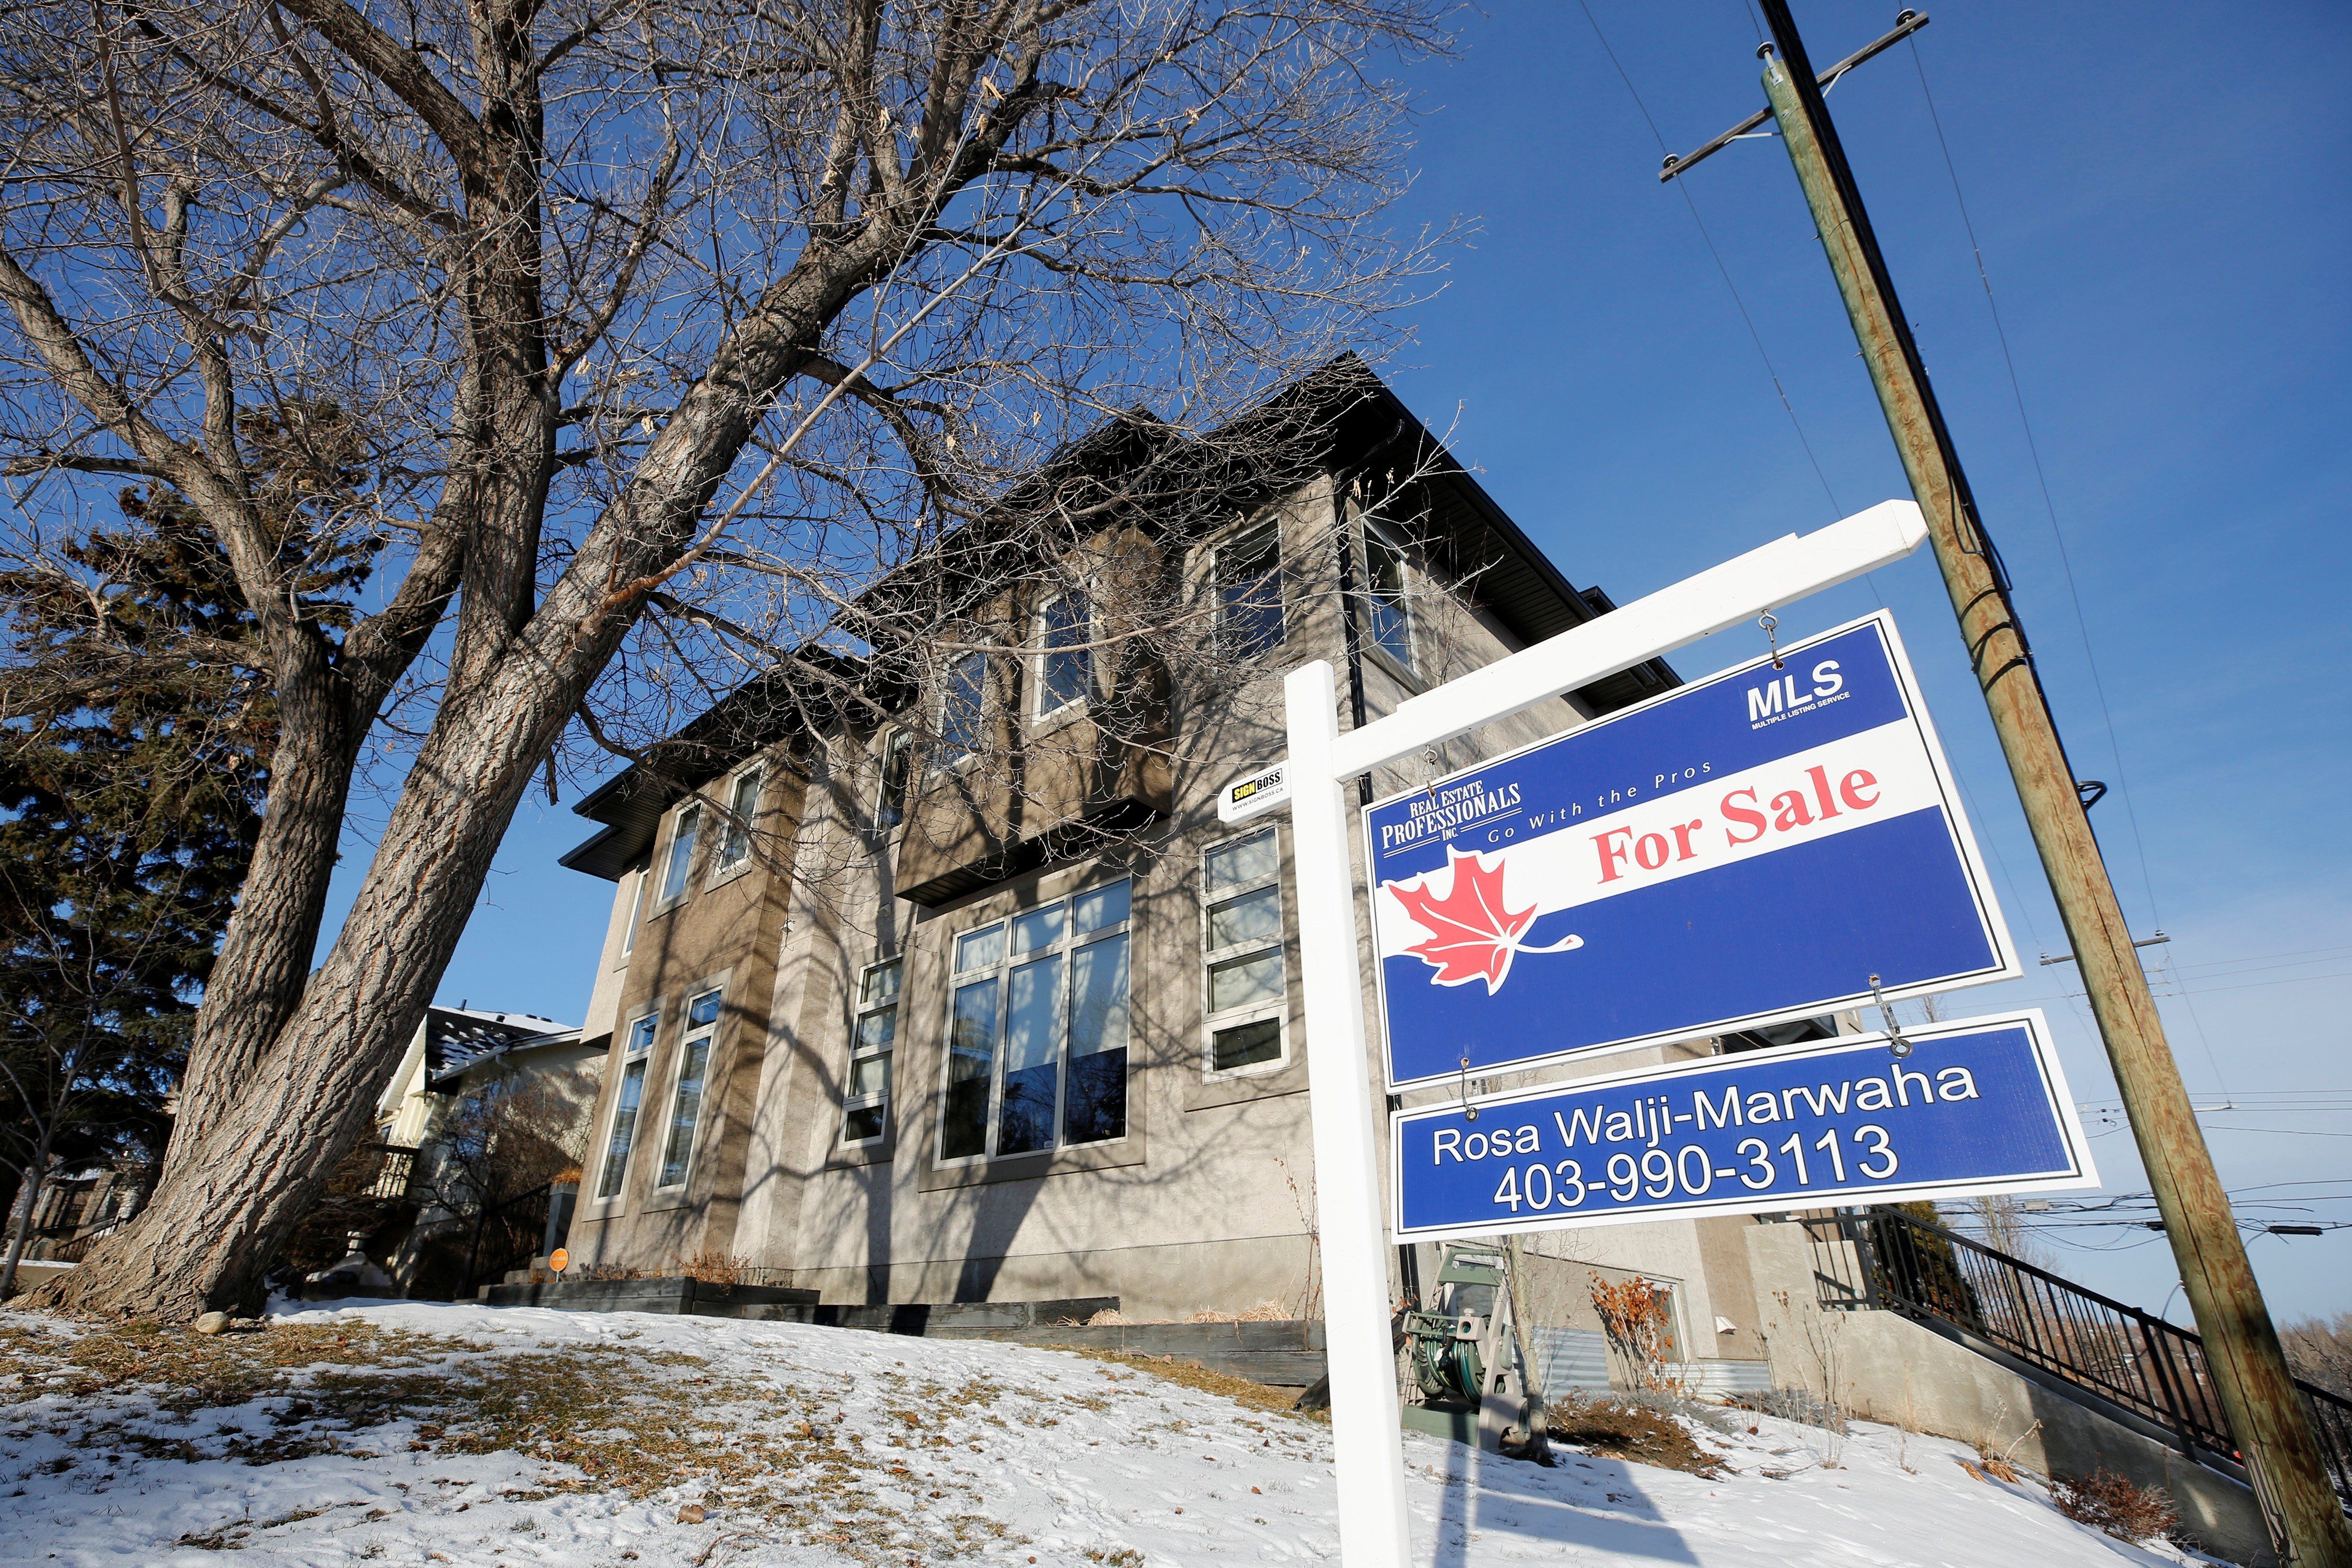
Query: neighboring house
[[448, 1038], [76, 1209], [938, 1041], [486, 1108]]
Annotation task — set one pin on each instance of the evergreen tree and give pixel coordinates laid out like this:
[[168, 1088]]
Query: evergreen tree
[[136, 721]]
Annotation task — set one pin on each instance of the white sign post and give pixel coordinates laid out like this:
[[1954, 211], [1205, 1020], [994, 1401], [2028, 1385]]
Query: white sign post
[[1367, 1441]]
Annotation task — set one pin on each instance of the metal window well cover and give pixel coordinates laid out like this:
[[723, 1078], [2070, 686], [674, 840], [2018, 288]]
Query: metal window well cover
[[1754, 848], [1570, 1361], [1950, 1110]]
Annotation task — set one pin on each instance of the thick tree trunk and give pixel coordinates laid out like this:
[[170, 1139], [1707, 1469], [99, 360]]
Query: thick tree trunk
[[205, 1240], [257, 982]]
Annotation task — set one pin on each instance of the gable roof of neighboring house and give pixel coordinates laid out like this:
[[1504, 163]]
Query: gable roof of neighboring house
[[458, 1038], [1342, 417]]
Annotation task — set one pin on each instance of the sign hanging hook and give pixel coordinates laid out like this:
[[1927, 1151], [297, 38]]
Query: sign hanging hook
[[1771, 623], [1894, 1041], [1469, 1112]]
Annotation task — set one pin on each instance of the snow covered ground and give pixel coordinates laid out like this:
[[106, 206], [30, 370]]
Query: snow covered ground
[[417, 1433]]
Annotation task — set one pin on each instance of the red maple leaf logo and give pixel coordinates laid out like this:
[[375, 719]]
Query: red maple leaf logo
[[1473, 933]]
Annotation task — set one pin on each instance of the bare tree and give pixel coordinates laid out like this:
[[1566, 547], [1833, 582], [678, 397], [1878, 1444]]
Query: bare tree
[[667, 329], [507, 1136]]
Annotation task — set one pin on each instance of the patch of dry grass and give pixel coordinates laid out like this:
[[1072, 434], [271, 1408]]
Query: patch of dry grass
[[603, 1419], [1188, 1375], [2107, 1501]]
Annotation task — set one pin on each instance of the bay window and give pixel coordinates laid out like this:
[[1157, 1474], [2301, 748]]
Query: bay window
[[963, 706], [1249, 593], [890, 804], [1065, 665], [1388, 623]]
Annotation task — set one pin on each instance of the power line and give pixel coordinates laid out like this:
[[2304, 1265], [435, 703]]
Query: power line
[[2033, 449], [1688, 200], [2066, 561]]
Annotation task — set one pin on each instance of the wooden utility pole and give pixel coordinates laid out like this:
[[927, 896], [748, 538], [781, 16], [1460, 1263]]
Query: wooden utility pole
[[2265, 1410]]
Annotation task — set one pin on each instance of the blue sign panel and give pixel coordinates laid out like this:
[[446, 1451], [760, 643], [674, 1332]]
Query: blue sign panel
[[1744, 851], [1978, 1106]]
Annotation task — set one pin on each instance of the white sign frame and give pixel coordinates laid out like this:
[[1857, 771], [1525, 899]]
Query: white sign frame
[[1368, 1447]]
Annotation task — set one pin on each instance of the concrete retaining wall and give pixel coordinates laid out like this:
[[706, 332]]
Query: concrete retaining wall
[[675, 1296], [32, 1271]]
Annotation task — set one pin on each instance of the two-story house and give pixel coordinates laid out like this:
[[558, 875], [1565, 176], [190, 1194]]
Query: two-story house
[[959, 990]]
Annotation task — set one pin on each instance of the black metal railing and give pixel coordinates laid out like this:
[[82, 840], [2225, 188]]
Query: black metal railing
[[1886, 1259], [381, 1171], [508, 1236]]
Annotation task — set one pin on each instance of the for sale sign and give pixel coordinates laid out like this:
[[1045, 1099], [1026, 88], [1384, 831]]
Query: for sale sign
[[1746, 850], [1977, 1106]]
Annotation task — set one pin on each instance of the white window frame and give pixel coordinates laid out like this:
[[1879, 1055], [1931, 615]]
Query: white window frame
[[1379, 537], [1068, 944], [1278, 1009], [645, 875], [688, 1034], [1046, 655], [644, 1031], [861, 1007], [730, 858], [897, 741], [1246, 535], [946, 757], [690, 811]]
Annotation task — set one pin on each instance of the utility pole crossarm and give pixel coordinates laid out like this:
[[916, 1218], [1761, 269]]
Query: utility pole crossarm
[[1906, 25]]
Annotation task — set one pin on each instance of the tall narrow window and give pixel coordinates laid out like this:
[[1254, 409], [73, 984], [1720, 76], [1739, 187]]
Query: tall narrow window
[[1249, 593], [644, 876], [866, 1102], [685, 1100], [963, 708], [735, 846], [1065, 665], [681, 853], [1388, 623], [1037, 1026], [625, 1101], [1248, 996], [891, 805]]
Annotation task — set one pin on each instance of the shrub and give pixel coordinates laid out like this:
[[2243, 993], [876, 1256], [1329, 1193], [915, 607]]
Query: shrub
[[2107, 1501]]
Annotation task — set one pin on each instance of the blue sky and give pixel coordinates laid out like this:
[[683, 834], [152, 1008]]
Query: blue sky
[[2161, 195]]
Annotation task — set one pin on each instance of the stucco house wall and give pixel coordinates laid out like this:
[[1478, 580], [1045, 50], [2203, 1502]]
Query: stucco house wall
[[1207, 1201]]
